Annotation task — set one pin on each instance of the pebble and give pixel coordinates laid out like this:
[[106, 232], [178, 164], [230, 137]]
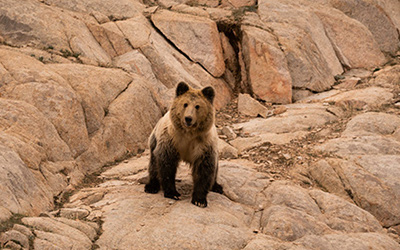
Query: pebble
[[229, 133], [280, 110]]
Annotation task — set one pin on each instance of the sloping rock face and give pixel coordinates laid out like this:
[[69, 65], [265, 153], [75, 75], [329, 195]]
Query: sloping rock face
[[371, 154], [82, 84]]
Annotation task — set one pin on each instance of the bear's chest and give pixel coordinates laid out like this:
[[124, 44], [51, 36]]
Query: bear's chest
[[190, 148]]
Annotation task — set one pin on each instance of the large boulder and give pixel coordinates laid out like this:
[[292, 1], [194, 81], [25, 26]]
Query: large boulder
[[375, 19], [343, 33], [59, 30], [266, 66], [95, 93], [29, 196], [311, 58], [197, 37]]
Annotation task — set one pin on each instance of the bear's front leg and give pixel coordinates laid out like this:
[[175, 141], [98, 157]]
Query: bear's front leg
[[203, 177], [168, 160]]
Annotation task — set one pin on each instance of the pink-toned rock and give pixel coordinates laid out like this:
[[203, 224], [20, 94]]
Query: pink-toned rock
[[58, 233], [29, 196], [61, 106], [96, 93], [344, 33], [60, 30], [115, 10], [266, 66], [136, 30], [348, 83], [387, 77], [374, 18], [251, 107], [197, 37], [170, 67], [241, 3], [311, 58], [125, 129], [369, 97], [116, 38], [29, 125], [226, 151], [110, 38]]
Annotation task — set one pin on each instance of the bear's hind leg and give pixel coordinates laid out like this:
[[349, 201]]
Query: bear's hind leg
[[168, 162], [217, 188], [203, 175], [154, 184]]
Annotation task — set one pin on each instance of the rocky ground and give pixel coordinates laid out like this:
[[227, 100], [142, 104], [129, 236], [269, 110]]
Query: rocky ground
[[321, 173]]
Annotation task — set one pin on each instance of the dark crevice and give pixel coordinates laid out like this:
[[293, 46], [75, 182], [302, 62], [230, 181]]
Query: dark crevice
[[120, 93], [235, 66]]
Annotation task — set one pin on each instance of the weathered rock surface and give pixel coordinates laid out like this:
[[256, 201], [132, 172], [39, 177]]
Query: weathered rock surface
[[371, 155], [282, 213], [309, 53], [337, 26], [59, 30], [82, 83], [251, 107], [266, 66], [197, 37], [375, 19]]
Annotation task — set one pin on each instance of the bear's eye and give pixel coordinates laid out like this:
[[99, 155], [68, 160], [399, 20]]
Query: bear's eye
[[197, 107], [185, 105]]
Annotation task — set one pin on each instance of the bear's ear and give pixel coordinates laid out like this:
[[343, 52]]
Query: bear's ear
[[208, 93], [181, 89]]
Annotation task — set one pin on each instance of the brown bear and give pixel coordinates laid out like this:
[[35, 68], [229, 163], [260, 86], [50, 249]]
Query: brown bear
[[186, 132]]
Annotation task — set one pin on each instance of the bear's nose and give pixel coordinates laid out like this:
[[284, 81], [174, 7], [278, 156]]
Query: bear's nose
[[188, 120]]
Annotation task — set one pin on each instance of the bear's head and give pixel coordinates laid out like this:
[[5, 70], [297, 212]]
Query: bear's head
[[192, 110]]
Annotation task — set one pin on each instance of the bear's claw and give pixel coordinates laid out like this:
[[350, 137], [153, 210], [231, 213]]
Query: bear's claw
[[200, 202], [172, 195]]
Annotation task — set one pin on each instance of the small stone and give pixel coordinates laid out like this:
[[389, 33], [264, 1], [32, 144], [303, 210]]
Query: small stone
[[227, 116], [251, 107], [287, 156], [226, 151], [229, 133], [147, 12], [74, 213], [279, 110], [348, 83]]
